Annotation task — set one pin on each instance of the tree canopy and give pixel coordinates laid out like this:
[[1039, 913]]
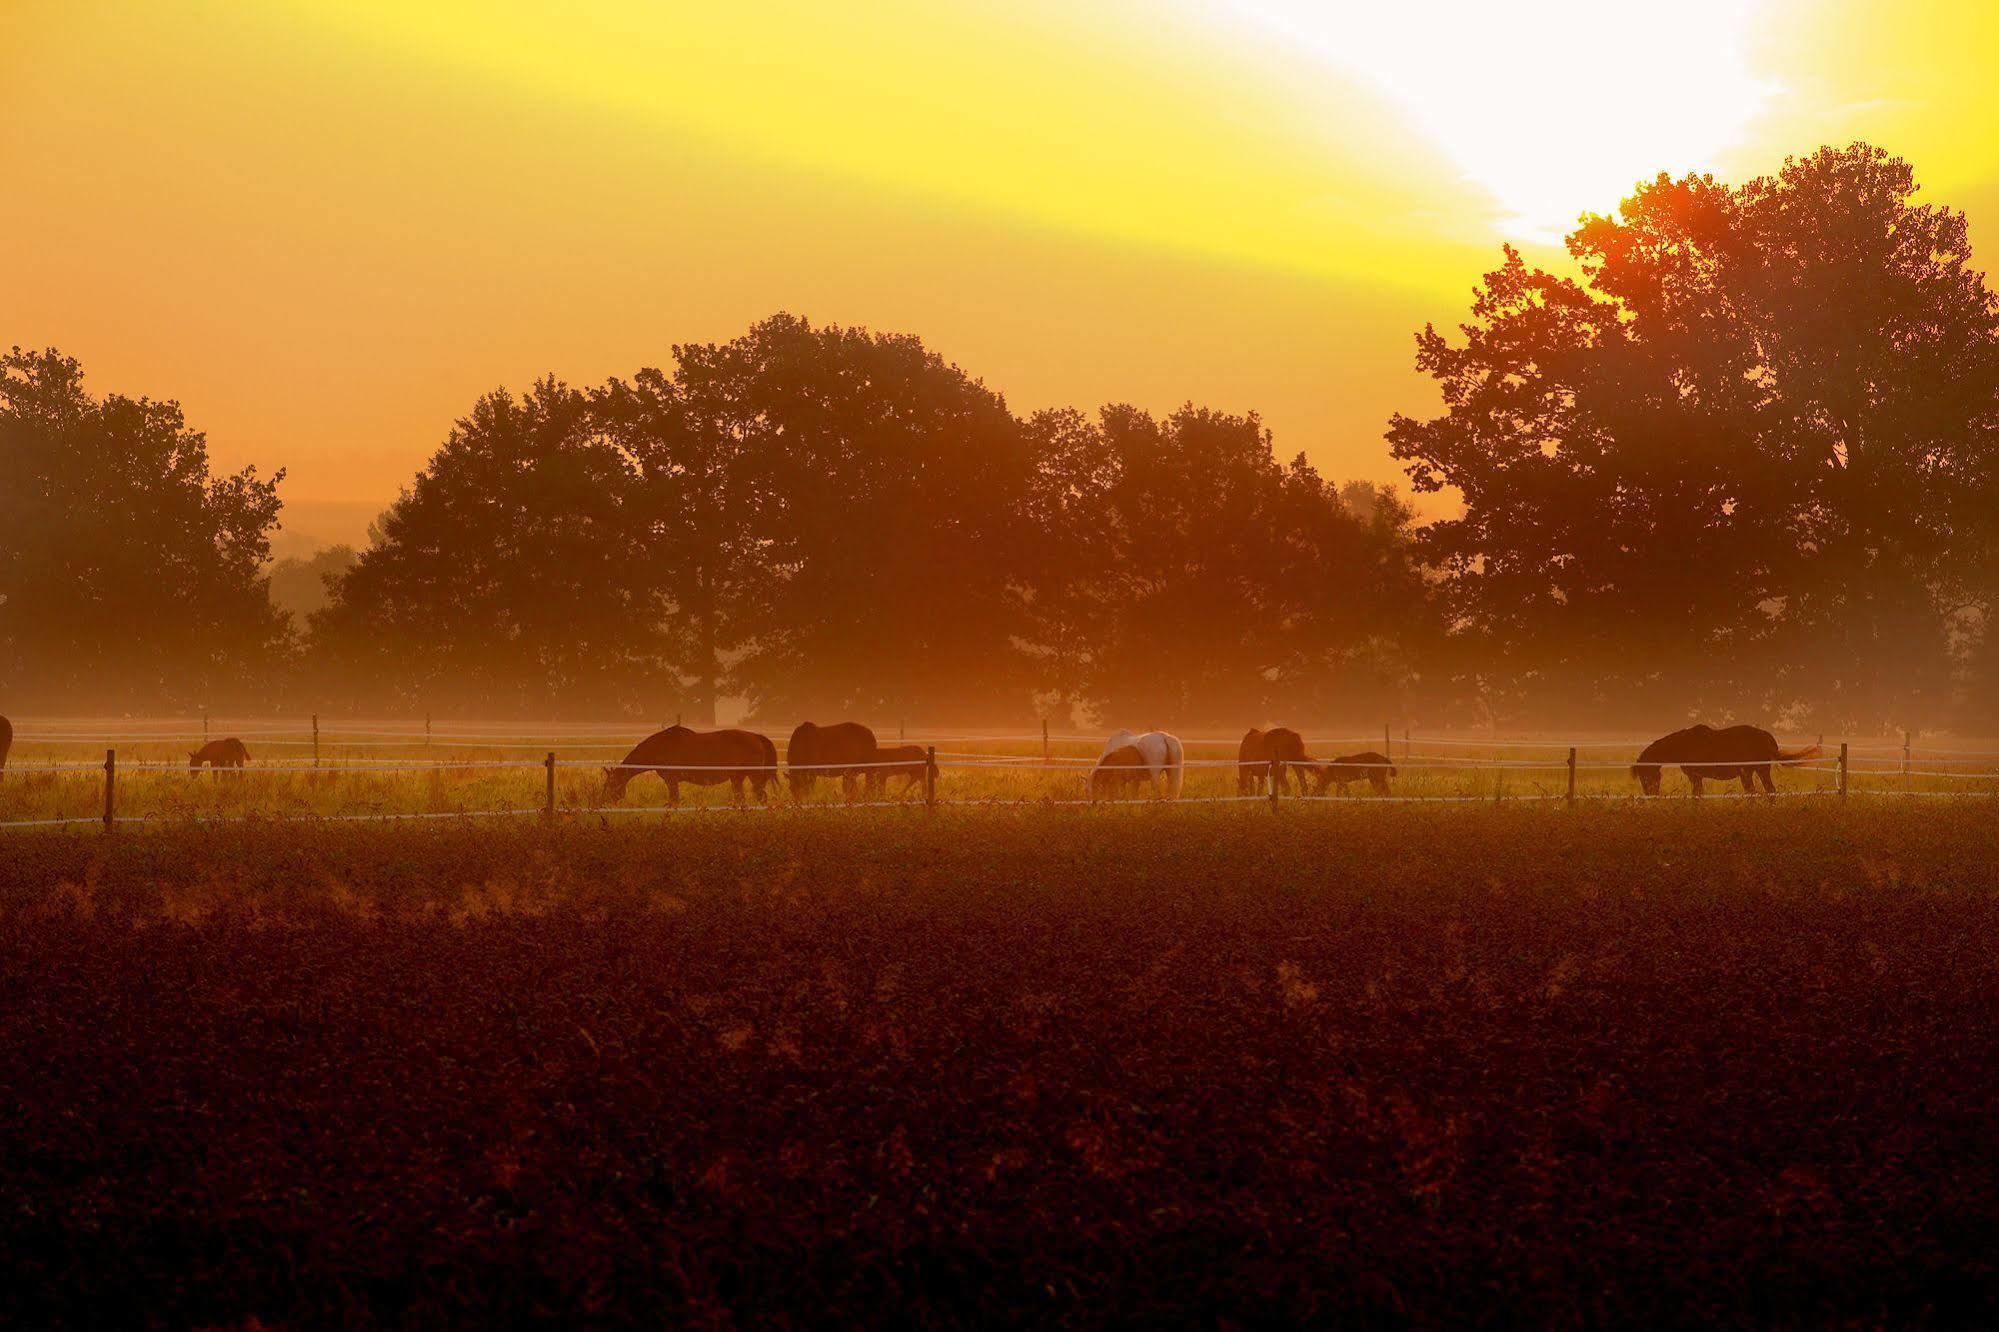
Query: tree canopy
[[129, 575], [1742, 465]]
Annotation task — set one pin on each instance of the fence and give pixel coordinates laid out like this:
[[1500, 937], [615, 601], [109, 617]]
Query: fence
[[1851, 772]]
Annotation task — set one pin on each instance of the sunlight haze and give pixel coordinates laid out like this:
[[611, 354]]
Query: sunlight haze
[[327, 227]]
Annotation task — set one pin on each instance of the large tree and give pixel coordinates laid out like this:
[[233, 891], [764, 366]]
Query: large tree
[[1202, 582], [513, 576], [1740, 464], [880, 573], [130, 577]]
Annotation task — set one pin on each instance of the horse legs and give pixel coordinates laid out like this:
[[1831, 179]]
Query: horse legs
[[672, 791], [1763, 772], [760, 783], [849, 784], [1748, 776], [736, 789], [1695, 778], [1379, 781]]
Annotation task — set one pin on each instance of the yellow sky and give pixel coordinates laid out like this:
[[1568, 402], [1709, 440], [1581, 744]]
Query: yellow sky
[[327, 225]]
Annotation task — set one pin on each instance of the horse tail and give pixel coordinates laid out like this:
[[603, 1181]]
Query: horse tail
[[1797, 755]]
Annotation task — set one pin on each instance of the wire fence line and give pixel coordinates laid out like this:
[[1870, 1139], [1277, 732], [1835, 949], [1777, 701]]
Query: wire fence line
[[928, 767]]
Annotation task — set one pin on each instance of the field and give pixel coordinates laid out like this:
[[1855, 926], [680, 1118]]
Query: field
[[1478, 1064]]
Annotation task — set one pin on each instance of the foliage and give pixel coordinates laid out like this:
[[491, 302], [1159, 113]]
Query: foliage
[[302, 584], [1695, 1067], [513, 571], [128, 573], [1745, 463]]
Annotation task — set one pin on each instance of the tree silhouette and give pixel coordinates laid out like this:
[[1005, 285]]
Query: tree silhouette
[[1743, 464], [129, 575], [512, 576]]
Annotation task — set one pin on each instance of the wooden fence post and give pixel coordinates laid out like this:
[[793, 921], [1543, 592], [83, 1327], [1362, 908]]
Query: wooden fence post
[[426, 730], [930, 778], [1572, 774], [1044, 740], [204, 728], [1387, 745], [1842, 770], [548, 797], [110, 788], [1405, 744], [1906, 738], [315, 739], [1276, 779]]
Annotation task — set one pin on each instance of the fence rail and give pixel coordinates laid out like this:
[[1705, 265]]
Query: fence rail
[[1269, 778]]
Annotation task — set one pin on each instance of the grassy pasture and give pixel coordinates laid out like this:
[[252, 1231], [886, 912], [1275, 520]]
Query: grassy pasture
[[384, 778]]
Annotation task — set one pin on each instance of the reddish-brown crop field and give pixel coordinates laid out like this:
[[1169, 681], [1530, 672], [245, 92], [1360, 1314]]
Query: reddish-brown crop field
[[1661, 1065]]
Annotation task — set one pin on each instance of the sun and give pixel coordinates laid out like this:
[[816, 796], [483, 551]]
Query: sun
[[1554, 107]]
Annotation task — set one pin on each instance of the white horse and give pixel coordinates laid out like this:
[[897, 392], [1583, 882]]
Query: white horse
[[1162, 754]]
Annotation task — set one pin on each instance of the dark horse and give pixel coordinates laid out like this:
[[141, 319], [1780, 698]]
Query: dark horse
[[710, 758], [912, 762], [1703, 753], [814, 747], [1258, 748], [1118, 770], [1375, 767], [218, 754], [6, 743]]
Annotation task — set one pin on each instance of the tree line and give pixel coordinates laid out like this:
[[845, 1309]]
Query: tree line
[[1739, 463]]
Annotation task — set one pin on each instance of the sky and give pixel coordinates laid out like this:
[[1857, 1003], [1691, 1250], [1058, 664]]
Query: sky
[[327, 226]]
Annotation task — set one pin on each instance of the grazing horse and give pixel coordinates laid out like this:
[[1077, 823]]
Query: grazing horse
[[1703, 753], [912, 763], [1258, 748], [711, 758], [219, 754], [1121, 768], [1376, 768], [1161, 753], [812, 747], [6, 743]]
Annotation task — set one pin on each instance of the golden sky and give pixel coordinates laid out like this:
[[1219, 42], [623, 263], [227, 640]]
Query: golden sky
[[327, 225]]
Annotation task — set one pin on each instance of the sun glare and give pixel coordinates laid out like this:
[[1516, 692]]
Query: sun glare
[[1553, 106]]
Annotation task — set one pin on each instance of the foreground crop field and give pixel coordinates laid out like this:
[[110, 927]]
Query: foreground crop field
[[1461, 1065]]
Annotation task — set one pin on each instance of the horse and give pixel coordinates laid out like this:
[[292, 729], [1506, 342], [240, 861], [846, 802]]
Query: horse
[[1258, 748], [912, 763], [6, 743], [1744, 752], [1376, 768], [1122, 767], [219, 754], [812, 747], [1161, 753], [710, 758]]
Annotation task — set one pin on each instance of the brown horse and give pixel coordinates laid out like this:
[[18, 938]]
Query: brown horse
[[812, 748], [1376, 768], [6, 743], [1122, 768], [1258, 748], [912, 764], [1705, 754], [699, 758], [219, 754]]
